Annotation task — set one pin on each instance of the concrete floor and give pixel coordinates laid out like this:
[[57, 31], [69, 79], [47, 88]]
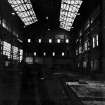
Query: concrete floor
[[21, 88], [10, 83], [90, 90]]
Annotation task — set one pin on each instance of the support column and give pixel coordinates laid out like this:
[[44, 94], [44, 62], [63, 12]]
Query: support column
[[103, 33]]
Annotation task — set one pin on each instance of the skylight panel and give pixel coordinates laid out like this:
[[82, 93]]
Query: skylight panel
[[18, 1], [26, 23], [25, 19], [31, 12], [28, 19], [24, 9], [28, 12], [21, 8], [29, 6], [12, 1], [68, 13]]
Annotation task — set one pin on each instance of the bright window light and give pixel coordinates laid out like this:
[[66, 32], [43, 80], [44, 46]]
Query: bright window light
[[58, 40], [63, 54], [47, 17], [44, 53], [67, 40], [50, 40], [39, 40], [24, 10], [93, 42], [21, 55], [97, 39], [29, 40], [34, 53], [15, 52], [53, 53], [69, 11], [13, 13], [6, 49], [85, 45]]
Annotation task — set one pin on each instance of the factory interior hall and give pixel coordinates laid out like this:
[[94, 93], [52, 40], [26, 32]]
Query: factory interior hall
[[52, 52]]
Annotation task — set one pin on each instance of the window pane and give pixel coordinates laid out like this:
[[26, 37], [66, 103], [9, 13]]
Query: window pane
[[21, 7], [97, 40], [93, 42], [6, 49], [70, 9]]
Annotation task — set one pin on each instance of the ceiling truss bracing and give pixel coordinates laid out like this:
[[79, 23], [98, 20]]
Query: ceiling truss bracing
[[68, 13], [24, 10]]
